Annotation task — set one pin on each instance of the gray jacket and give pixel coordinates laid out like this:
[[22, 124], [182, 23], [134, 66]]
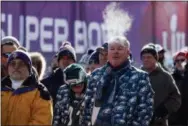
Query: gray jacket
[[167, 97]]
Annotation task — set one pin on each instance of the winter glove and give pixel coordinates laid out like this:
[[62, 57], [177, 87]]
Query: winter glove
[[161, 111]]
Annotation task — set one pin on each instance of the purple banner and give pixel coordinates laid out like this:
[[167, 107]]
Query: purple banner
[[42, 26]]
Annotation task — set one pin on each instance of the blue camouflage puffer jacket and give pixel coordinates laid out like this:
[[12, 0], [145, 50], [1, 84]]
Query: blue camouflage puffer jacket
[[132, 103], [62, 112]]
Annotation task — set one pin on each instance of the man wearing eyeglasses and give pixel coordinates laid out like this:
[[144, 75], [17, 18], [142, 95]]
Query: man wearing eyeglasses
[[8, 45], [179, 67], [178, 75]]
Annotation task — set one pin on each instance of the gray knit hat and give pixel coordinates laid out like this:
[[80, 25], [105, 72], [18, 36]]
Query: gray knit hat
[[10, 39]]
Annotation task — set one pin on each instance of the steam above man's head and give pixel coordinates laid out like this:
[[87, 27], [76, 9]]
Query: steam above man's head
[[117, 21]]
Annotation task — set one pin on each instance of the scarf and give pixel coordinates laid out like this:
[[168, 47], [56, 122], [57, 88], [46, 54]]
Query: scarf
[[107, 89], [16, 83]]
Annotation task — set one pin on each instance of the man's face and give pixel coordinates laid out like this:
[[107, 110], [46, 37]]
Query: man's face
[[149, 61], [180, 61], [18, 70], [65, 61], [117, 54], [5, 53]]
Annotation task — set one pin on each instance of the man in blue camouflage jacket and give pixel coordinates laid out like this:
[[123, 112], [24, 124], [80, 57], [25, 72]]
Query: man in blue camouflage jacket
[[121, 93]]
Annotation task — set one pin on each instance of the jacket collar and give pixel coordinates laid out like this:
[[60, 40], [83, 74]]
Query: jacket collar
[[156, 70], [28, 85]]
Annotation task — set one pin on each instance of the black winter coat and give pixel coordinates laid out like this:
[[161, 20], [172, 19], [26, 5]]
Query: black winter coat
[[53, 82]]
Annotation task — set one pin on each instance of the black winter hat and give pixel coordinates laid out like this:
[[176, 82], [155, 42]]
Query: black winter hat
[[94, 58], [67, 50], [149, 48]]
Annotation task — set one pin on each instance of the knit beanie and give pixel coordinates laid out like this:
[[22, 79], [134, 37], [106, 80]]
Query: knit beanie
[[94, 58], [159, 48], [149, 48], [24, 56], [10, 39], [67, 50], [85, 58]]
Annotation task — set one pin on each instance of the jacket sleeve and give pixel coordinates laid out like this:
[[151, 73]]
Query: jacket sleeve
[[61, 112], [42, 111], [145, 101], [57, 109], [173, 102], [88, 104]]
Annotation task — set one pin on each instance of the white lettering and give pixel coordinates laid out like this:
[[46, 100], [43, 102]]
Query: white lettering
[[2, 21], [178, 41], [45, 35], [165, 39], [173, 28], [21, 37], [104, 33], [183, 39], [31, 35], [176, 38], [59, 37], [80, 36], [93, 26], [9, 24]]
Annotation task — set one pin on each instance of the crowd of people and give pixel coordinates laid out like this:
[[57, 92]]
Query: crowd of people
[[103, 88]]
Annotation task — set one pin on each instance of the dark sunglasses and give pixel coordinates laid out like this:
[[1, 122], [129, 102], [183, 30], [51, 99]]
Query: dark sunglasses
[[6, 55], [179, 60]]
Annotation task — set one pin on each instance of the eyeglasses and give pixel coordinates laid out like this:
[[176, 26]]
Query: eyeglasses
[[6, 55], [179, 60], [17, 63]]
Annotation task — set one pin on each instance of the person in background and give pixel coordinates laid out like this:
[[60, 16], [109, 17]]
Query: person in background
[[184, 107], [29, 101], [23, 49], [54, 63], [161, 55], [66, 56], [70, 97], [103, 54], [38, 61], [53, 66], [121, 93], [94, 61], [180, 118], [8, 45], [167, 97], [84, 61], [179, 67], [178, 75]]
